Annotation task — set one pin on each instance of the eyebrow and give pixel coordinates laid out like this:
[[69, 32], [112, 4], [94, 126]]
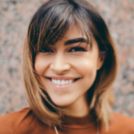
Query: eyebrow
[[75, 40]]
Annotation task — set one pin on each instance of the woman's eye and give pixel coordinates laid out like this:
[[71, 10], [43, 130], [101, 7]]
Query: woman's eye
[[46, 50], [77, 49]]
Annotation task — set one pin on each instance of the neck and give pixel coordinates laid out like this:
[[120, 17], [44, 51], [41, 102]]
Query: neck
[[78, 109]]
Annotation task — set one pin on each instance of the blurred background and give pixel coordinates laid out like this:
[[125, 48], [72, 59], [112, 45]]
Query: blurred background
[[15, 16]]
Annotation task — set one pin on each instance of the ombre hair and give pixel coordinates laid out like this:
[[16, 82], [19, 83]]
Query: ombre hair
[[49, 24]]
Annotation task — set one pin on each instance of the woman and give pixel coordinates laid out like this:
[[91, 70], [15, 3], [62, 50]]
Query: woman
[[69, 66]]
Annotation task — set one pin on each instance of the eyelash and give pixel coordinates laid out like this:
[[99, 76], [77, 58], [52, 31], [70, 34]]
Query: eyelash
[[73, 50], [77, 49]]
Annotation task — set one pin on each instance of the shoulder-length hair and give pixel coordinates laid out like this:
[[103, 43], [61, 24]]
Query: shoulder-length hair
[[48, 25]]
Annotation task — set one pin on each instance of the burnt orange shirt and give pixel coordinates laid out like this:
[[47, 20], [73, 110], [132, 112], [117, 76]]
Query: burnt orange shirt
[[24, 122]]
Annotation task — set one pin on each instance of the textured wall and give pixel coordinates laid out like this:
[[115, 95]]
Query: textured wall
[[14, 19]]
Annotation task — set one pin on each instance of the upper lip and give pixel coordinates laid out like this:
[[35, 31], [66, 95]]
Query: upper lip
[[62, 78]]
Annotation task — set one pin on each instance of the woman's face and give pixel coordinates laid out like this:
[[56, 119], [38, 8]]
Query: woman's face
[[68, 69]]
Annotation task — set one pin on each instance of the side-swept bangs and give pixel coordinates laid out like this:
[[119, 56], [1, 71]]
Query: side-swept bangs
[[51, 22]]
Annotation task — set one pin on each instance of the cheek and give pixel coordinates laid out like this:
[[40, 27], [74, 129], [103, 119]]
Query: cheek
[[89, 70], [40, 65], [88, 64]]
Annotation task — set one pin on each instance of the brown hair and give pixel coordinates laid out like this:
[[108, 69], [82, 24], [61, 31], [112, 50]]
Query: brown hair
[[48, 25]]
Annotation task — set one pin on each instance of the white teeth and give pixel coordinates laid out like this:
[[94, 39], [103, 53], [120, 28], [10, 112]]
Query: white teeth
[[62, 82]]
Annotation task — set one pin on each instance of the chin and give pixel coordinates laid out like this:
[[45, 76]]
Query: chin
[[62, 103]]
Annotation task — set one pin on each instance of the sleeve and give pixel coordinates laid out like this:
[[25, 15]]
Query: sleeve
[[9, 123], [122, 124], [6, 125]]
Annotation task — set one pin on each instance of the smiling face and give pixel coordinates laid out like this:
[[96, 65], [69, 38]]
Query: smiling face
[[68, 69]]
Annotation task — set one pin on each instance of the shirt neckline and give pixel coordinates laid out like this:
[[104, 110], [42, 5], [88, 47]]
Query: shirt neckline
[[73, 120]]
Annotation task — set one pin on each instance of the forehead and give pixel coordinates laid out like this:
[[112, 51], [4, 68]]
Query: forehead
[[73, 32], [73, 35]]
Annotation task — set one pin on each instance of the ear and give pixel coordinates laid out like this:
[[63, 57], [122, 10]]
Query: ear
[[101, 59]]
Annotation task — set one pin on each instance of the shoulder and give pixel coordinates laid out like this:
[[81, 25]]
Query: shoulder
[[12, 122], [121, 123], [122, 119]]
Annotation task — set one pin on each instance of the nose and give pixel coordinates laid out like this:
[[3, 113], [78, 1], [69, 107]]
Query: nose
[[59, 65]]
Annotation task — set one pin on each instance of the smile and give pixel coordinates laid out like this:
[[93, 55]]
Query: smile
[[61, 82]]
